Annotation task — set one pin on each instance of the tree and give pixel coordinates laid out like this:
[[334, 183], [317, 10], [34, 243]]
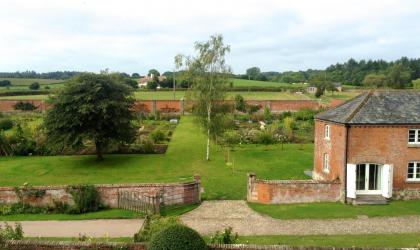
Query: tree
[[92, 107], [34, 86], [130, 82], [154, 72], [210, 76], [5, 83], [240, 103], [398, 76], [375, 80], [253, 72], [152, 85], [135, 75], [416, 83]]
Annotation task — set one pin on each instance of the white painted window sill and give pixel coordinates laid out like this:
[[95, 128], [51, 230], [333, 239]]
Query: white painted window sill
[[414, 145], [412, 181]]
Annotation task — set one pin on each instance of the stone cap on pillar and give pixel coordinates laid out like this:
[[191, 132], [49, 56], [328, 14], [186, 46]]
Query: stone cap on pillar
[[197, 178], [251, 175]]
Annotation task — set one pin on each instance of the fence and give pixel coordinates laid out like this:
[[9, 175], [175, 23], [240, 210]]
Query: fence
[[163, 197], [138, 202]]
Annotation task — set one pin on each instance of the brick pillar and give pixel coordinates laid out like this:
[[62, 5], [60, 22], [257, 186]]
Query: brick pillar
[[154, 107], [197, 179], [251, 181]]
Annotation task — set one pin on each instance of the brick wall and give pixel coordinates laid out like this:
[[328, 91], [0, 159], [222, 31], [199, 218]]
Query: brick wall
[[172, 193], [178, 106], [48, 245], [335, 147], [291, 191]]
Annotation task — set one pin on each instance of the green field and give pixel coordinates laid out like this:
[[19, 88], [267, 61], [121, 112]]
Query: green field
[[184, 158], [254, 83], [336, 210], [23, 83]]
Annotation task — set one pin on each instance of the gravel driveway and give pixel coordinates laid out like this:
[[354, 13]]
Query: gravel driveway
[[217, 215]]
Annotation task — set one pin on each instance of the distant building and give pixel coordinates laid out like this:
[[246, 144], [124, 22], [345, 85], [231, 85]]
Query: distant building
[[142, 82], [311, 89]]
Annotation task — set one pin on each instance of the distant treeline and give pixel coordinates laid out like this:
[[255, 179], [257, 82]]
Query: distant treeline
[[397, 73], [57, 75]]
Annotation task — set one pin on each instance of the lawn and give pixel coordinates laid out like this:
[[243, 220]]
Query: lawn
[[23, 83], [254, 83], [184, 158], [336, 210], [103, 214], [365, 240]]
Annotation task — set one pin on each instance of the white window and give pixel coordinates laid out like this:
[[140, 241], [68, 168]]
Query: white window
[[327, 132], [413, 172], [414, 136], [326, 163]]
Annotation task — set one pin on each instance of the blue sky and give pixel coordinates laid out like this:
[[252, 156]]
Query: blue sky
[[134, 36]]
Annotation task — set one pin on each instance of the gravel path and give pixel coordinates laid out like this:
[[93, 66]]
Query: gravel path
[[217, 215], [93, 228]]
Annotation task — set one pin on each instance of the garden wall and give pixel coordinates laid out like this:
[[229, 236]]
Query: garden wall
[[291, 191], [48, 245], [179, 106], [170, 193]]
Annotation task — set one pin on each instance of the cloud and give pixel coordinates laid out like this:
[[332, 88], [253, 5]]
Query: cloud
[[134, 36]]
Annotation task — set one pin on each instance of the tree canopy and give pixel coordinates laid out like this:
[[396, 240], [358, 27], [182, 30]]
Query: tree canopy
[[91, 108]]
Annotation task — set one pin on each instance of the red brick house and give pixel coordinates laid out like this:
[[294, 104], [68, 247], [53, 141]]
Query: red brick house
[[371, 144]]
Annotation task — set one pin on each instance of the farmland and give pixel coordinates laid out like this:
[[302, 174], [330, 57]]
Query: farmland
[[23, 83]]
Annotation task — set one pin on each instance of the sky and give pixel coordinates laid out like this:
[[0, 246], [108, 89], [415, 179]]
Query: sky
[[135, 36]]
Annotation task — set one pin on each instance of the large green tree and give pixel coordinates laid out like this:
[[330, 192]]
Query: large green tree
[[398, 76], [253, 72], [91, 108], [209, 75], [375, 80]]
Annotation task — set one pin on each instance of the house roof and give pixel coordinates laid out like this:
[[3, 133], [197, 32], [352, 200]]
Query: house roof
[[377, 107]]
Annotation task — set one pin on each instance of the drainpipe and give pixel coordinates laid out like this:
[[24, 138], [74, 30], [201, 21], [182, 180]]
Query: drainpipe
[[345, 162]]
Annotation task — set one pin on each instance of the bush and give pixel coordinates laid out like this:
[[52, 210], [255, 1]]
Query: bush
[[240, 103], [154, 225], [86, 199], [226, 237], [34, 86], [25, 106], [6, 124], [177, 237], [267, 137], [268, 117], [10, 233], [5, 83], [158, 136]]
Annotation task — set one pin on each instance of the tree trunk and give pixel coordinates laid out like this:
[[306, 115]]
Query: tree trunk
[[99, 151], [208, 131]]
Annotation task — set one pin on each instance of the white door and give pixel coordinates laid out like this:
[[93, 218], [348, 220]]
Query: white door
[[351, 181], [387, 177], [368, 179]]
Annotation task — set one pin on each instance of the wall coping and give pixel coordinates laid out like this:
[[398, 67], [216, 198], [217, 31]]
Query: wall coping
[[124, 185], [283, 247], [291, 182], [69, 243]]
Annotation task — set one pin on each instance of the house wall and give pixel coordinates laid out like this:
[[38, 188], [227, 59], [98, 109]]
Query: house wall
[[386, 145], [335, 147]]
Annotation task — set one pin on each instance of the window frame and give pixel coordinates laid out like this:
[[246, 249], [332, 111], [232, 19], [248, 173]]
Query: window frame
[[416, 137], [327, 132], [416, 166], [326, 163]]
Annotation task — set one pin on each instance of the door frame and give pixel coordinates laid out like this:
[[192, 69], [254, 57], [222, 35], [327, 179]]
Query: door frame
[[366, 191]]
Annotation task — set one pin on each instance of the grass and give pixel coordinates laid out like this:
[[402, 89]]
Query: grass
[[177, 210], [254, 83], [184, 158], [25, 97], [365, 240], [23, 83], [336, 210], [104, 214]]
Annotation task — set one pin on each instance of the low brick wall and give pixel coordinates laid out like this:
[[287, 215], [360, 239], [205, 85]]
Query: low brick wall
[[406, 194], [179, 106], [48, 245], [291, 191], [172, 193]]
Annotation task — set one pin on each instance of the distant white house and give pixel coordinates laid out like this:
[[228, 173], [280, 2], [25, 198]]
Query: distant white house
[[142, 82]]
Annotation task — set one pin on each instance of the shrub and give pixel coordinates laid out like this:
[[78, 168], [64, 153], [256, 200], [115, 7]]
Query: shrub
[[226, 237], [24, 106], [231, 138], [146, 145], [240, 104], [34, 86], [177, 237], [305, 114], [86, 199], [158, 136], [5, 83], [268, 117], [154, 225], [267, 137], [10, 233], [6, 124]]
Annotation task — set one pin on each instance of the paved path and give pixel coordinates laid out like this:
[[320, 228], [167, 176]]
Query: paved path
[[94, 228], [217, 215], [212, 216]]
